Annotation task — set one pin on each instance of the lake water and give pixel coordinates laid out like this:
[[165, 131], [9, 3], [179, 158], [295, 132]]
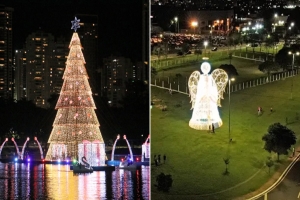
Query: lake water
[[28, 181]]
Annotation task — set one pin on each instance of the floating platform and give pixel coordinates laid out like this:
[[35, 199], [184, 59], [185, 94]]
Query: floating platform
[[81, 169], [117, 163], [99, 168], [130, 167]]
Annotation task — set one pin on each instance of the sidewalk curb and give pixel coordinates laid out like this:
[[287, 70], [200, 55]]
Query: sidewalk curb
[[280, 179]]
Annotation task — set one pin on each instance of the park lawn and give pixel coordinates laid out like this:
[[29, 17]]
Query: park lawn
[[216, 57], [195, 158], [247, 70]]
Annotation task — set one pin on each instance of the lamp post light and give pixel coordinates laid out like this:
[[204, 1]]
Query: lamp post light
[[218, 22], [275, 22], [211, 29], [231, 79], [274, 27], [194, 24], [177, 23], [293, 61], [290, 27], [205, 44]]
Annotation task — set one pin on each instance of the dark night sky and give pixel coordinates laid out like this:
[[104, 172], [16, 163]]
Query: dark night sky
[[120, 22]]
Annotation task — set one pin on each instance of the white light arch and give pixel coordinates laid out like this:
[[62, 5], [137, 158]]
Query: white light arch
[[114, 147]]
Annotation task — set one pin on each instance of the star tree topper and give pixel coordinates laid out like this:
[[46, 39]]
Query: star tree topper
[[75, 24]]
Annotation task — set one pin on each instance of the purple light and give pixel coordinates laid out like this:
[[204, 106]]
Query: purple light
[[58, 160], [28, 159], [67, 161]]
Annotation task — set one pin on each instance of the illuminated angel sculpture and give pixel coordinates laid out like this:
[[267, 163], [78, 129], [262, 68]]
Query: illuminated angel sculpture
[[206, 91]]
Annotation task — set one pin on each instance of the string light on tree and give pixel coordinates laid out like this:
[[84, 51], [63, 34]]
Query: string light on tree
[[76, 128]]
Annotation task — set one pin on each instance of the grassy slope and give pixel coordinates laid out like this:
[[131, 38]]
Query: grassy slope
[[195, 158]]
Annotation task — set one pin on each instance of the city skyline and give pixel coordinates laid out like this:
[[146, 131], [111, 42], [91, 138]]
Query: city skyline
[[43, 34], [116, 22]]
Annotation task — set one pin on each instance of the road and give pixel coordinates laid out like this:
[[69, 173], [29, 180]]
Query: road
[[208, 50], [289, 188]]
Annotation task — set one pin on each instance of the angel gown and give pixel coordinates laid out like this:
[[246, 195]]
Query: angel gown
[[205, 112]]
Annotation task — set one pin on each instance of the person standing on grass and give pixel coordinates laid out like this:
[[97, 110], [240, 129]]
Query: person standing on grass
[[293, 151], [165, 158], [259, 110], [159, 158]]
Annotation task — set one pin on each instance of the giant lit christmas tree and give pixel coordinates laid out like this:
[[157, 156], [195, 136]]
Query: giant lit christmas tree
[[76, 130]]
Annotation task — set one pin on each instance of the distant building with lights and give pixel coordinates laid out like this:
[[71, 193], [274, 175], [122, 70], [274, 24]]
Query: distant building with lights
[[39, 68], [20, 75], [218, 21], [6, 53], [88, 33], [224, 4], [58, 64], [115, 73]]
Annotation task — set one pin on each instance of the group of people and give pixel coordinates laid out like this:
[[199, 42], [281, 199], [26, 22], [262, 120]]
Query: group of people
[[260, 110], [158, 159]]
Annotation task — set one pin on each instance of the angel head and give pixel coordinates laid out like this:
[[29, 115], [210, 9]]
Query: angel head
[[205, 67]]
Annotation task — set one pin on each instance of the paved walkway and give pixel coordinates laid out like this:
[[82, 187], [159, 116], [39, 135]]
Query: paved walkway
[[277, 175]]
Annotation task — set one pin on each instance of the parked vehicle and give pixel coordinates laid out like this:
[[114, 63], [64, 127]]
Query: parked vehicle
[[189, 52], [214, 49], [179, 53]]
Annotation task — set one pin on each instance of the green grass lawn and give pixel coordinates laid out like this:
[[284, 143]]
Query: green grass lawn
[[247, 69], [195, 158], [214, 57]]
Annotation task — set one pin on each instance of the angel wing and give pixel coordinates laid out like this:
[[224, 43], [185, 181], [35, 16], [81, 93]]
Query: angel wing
[[221, 78], [193, 84]]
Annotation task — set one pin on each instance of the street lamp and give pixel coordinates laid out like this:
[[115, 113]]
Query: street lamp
[[205, 44], [194, 24], [274, 27], [275, 24], [291, 26], [231, 79], [177, 22], [291, 53]]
